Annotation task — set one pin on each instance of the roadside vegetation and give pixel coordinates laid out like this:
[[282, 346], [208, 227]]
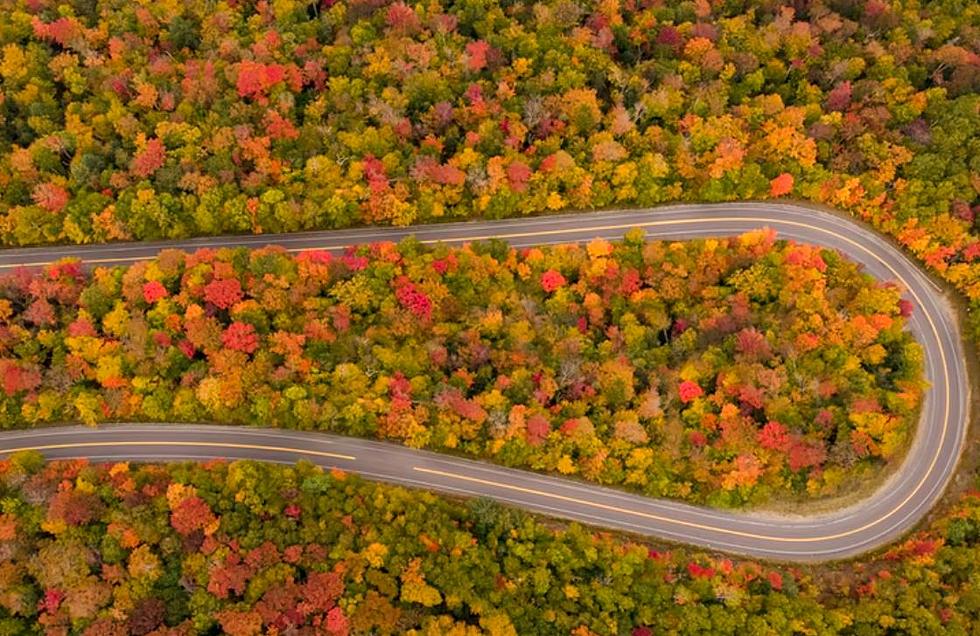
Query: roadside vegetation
[[713, 371], [247, 548], [165, 119], [124, 120]]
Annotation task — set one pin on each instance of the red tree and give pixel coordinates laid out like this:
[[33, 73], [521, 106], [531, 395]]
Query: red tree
[[240, 336], [537, 429], [223, 293], [688, 391], [154, 291], [774, 436], [51, 197], [552, 280], [412, 299], [191, 514], [150, 158], [476, 55], [840, 97], [518, 174], [783, 184]]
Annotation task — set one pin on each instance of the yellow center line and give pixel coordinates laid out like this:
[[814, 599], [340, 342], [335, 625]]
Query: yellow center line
[[623, 226], [899, 277], [595, 504], [619, 509], [447, 239], [263, 447], [763, 220]]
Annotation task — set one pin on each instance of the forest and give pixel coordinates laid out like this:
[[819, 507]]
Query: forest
[[731, 373], [248, 548], [716, 371], [133, 120]]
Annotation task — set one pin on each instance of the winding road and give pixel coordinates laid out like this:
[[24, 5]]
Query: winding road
[[892, 510]]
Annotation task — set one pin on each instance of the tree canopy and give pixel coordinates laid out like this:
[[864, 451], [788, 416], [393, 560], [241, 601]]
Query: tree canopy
[[718, 371], [167, 119], [247, 548]]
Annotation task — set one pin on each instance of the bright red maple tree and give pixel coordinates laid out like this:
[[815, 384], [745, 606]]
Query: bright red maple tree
[[154, 291], [551, 280], [688, 390], [223, 293], [240, 336]]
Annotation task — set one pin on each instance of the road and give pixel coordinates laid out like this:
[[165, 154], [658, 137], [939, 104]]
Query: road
[[892, 510]]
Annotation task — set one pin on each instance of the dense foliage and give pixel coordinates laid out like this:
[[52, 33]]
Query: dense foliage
[[246, 548], [165, 119], [141, 120], [716, 371]]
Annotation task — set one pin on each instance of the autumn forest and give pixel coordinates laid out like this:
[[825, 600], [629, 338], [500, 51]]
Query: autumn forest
[[712, 371], [247, 548], [742, 373]]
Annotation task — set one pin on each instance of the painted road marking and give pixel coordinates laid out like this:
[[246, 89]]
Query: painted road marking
[[624, 226], [263, 447]]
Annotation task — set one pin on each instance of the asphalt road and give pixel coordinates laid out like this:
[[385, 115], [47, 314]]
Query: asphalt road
[[892, 510]]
